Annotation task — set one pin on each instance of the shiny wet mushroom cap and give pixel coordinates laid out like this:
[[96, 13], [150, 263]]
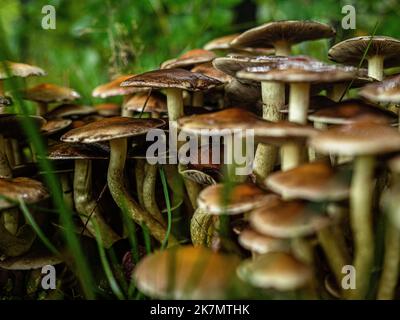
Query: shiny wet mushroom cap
[[259, 243], [113, 88], [282, 34], [35, 258], [315, 181], [189, 59], [69, 111], [216, 199], [387, 90], [276, 270], [19, 70], [12, 125], [209, 70], [186, 272], [111, 128], [288, 219], [53, 126], [349, 111], [156, 102], [25, 189], [172, 78], [74, 151], [49, 93]]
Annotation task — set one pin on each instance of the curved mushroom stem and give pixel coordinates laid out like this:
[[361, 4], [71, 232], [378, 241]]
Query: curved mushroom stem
[[390, 273], [375, 67], [86, 205], [202, 228], [139, 178], [149, 190], [197, 99], [273, 96], [5, 170], [16, 152], [362, 187], [193, 189], [291, 155], [337, 91], [122, 197], [67, 190], [299, 100], [283, 48]]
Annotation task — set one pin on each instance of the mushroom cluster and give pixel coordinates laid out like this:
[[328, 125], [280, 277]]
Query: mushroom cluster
[[236, 170]]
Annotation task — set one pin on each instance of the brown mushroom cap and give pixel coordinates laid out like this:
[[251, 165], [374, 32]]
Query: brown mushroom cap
[[69, 110], [172, 78], [315, 181], [242, 198], [48, 93], [277, 270], [76, 151], [189, 59], [224, 44], [186, 272], [348, 111], [26, 189], [108, 109], [53, 126], [387, 90], [290, 31], [364, 137], [111, 128], [394, 164], [259, 243], [208, 70], [299, 71], [113, 88], [288, 219], [352, 50], [11, 125], [15, 69], [35, 258], [157, 102]]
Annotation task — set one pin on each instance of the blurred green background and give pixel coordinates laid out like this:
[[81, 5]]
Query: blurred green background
[[96, 39]]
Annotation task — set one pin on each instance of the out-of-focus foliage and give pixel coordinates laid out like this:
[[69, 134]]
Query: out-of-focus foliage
[[96, 39]]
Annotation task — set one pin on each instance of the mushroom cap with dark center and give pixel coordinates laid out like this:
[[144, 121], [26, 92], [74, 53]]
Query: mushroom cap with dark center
[[35, 258], [315, 181], [387, 90], [26, 189], [259, 243], [157, 102], [276, 270], [348, 111], [186, 272], [113, 88], [364, 137], [11, 125], [352, 50], [242, 198], [76, 151], [173, 78], [289, 31], [15, 69], [189, 59], [208, 70], [303, 71], [53, 126], [108, 109], [48, 93], [288, 219], [69, 111], [111, 128]]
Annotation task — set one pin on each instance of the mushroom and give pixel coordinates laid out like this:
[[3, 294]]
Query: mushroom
[[187, 273], [154, 103], [113, 88], [108, 109], [189, 59], [382, 52], [364, 140], [282, 35], [117, 130], [85, 202], [70, 111]]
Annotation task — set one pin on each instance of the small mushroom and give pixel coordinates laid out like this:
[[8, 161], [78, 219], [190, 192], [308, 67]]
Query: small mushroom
[[189, 59]]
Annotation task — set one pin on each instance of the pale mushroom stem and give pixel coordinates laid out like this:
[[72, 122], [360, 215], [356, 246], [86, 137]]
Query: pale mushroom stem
[[361, 193], [139, 178], [391, 263], [314, 155], [299, 100], [41, 108], [197, 99], [283, 48], [86, 205], [2, 93], [375, 67], [124, 111], [149, 192], [202, 228], [123, 199], [291, 155], [5, 170], [337, 91], [273, 97]]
